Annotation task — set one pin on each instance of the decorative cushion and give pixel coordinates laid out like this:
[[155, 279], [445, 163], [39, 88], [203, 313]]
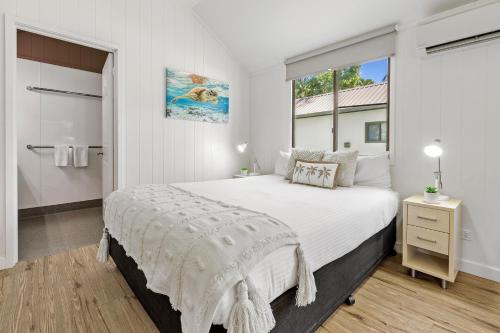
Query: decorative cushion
[[281, 165], [315, 173], [347, 166], [303, 155], [374, 170]]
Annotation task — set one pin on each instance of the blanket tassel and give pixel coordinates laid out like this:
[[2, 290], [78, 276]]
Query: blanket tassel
[[103, 251], [243, 317], [262, 307], [306, 292]]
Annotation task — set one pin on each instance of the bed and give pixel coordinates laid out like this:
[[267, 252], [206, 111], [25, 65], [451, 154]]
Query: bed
[[346, 233]]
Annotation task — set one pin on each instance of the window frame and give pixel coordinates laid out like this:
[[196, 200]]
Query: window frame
[[335, 111], [379, 123]]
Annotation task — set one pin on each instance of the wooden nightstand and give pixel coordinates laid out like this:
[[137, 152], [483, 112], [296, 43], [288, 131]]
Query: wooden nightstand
[[431, 237]]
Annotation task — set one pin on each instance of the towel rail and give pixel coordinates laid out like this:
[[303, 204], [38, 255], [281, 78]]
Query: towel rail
[[37, 147], [56, 91]]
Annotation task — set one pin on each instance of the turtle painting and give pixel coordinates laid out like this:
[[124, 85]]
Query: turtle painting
[[195, 97]]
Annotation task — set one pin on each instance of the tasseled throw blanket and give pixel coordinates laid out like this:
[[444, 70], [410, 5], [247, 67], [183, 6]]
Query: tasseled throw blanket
[[194, 249]]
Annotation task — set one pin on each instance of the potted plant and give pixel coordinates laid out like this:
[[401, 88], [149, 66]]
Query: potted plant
[[244, 171], [431, 194]]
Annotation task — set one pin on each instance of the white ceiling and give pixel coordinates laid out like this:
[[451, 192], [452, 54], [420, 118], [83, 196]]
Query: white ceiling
[[262, 33]]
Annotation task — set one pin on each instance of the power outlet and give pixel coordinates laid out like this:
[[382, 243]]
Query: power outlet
[[467, 234]]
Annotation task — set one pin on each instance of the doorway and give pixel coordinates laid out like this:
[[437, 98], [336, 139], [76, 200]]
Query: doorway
[[65, 143]]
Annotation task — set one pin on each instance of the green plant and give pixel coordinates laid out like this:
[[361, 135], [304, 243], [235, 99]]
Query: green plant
[[431, 189], [244, 169]]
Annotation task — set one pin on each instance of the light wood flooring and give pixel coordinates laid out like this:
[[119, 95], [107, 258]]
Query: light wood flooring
[[72, 292]]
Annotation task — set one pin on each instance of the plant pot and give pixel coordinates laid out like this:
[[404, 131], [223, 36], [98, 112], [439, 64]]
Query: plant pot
[[244, 172], [431, 197]]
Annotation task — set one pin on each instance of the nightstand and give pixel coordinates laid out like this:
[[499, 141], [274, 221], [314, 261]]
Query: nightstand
[[431, 237]]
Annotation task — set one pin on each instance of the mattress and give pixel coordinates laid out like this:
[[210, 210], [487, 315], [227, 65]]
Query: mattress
[[330, 224]]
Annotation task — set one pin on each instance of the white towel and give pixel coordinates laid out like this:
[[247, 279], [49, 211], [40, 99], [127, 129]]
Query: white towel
[[61, 153], [80, 156]]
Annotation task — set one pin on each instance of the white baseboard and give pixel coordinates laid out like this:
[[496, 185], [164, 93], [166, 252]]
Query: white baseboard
[[482, 270], [4, 263]]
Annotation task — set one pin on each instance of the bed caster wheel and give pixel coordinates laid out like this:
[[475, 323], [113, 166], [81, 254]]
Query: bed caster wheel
[[350, 300]]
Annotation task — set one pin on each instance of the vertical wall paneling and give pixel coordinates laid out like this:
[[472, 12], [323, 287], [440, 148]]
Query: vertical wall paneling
[[472, 161], [158, 87], [430, 109], [50, 12], [87, 17], [152, 35], [451, 121], [29, 9], [492, 149], [69, 15], [146, 112], [133, 88], [103, 20]]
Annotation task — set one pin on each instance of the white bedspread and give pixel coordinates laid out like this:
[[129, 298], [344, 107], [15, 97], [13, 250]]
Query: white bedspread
[[330, 223]]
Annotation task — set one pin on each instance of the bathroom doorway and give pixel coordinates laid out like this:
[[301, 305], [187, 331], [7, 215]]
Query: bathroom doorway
[[65, 119]]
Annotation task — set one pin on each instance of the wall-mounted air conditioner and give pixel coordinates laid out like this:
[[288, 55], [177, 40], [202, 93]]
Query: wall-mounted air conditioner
[[464, 26]]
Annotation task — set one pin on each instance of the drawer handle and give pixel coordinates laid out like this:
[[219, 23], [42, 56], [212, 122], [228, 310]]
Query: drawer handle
[[427, 240], [427, 218]]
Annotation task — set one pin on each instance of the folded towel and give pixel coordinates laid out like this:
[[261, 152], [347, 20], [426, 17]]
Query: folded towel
[[80, 156], [61, 153]]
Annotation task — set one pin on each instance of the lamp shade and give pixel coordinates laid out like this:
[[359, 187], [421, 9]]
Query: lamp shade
[[434, 149], [242, 147]]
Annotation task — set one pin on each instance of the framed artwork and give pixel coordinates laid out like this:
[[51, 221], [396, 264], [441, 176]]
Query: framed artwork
[[195, 97]]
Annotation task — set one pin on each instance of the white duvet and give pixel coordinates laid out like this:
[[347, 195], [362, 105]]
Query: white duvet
[[330, 223]]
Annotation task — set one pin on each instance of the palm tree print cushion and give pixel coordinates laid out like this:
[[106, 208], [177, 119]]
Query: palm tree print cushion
[[315, 173]]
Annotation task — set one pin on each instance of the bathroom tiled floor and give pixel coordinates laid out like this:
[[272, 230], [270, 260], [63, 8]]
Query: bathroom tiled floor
[[49, 234]]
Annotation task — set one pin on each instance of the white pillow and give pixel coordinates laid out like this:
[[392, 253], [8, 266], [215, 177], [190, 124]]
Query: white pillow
[[281, 165], [347, 166], [305, 155], [373, 171]]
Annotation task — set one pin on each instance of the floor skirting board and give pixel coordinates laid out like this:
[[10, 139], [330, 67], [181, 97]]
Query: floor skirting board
[[479, 269], [44, 210]]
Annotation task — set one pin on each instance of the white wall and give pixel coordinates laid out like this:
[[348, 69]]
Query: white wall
[[316, 133], [352, 129], [271, 115], [453, 96], [153, 34], [48, 119]]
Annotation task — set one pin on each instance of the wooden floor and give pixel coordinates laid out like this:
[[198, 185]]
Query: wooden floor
[[71, 292]]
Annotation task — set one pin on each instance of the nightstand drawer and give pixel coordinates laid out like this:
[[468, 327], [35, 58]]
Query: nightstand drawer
[[427, 239], [429, 218]]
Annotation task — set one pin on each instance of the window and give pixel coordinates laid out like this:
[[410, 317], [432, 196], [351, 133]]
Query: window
[[313, 111], [375, 132], [345, 109]]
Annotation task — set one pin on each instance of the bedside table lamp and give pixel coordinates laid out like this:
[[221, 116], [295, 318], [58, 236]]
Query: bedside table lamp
[[435, 150], [241, 148]]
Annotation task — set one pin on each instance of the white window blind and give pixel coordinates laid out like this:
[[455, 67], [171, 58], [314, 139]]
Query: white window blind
[[375, 44]]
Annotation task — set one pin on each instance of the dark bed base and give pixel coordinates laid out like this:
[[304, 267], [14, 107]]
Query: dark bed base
[[335, 282]]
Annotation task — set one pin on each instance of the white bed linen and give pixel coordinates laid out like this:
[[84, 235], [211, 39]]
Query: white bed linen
[[330, 223]]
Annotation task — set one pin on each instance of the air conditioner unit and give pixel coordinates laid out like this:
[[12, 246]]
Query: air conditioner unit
[[460, 27]]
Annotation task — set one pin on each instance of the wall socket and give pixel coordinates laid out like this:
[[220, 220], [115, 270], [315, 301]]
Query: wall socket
[[467, 234]]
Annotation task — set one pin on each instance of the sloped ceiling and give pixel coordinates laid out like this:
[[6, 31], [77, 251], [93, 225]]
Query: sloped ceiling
[[262, 33]]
